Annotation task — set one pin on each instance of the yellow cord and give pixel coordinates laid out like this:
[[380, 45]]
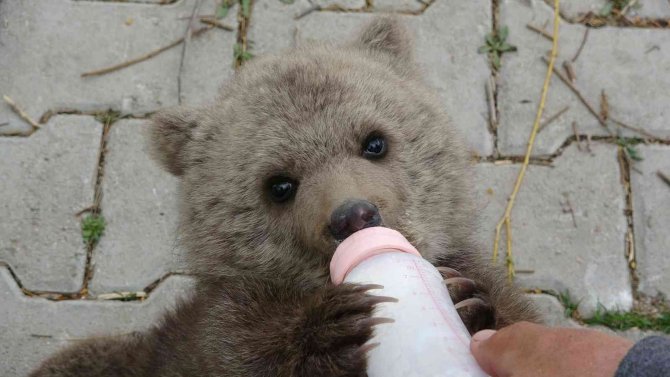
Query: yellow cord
[[506, 219]]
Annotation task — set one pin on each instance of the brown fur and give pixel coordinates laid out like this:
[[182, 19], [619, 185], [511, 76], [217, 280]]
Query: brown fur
[[264, 305]]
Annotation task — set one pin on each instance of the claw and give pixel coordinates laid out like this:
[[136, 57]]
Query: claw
[[367, 287], [475, 313], [377, 321], [471, 303], [379, 299], [365, 348], [460, 288], [448, 272]]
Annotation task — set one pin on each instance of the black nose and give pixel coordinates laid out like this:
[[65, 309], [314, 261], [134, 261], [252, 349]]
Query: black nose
[[353, 216]]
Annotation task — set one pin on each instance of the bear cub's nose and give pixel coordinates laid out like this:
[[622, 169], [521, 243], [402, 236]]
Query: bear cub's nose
[[353, 216]]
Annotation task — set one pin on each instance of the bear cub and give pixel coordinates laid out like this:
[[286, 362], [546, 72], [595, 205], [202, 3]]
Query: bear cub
[[300, 150]]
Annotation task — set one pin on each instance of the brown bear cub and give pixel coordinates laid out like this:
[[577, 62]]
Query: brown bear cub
[[301, 150]]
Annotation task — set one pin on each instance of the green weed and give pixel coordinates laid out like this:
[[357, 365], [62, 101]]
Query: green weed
[[615, 5], [617, 320], [240, 54], [629, 148], [568, 303], [496, 45], [92, 229], [223, 8]]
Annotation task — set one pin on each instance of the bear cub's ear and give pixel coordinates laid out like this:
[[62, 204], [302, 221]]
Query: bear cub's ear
[[170, 131], [387, 34]]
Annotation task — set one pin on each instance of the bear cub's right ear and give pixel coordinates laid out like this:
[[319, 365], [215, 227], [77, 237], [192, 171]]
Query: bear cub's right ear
[[169, 134]]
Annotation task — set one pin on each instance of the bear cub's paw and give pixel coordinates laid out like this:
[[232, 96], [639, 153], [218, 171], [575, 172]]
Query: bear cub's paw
[[472, 305], [337, 325]]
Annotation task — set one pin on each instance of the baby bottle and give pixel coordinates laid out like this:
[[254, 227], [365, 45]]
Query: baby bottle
[[427, 337]]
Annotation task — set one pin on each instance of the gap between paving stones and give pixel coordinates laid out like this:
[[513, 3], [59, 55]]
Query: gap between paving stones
[[549, 159], [492, 86], [47, 115], [144, 294], [243, 21]]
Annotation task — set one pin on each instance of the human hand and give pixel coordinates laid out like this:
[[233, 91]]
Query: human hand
[[525, 349]]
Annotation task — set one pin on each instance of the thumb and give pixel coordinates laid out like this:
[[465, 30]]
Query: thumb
[[483, 354]]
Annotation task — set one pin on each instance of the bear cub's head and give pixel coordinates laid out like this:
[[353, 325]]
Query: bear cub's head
[[306, 147]]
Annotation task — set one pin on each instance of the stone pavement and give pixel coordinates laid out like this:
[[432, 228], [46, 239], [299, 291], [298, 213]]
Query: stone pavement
[[588, 220]]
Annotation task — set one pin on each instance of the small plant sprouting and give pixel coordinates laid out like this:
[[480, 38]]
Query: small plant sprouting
[[223, 8], [496, 45], [240, 54], [246, 8], [569, 304], [92, 229], [108, 117], [616, 5], [629, 149]]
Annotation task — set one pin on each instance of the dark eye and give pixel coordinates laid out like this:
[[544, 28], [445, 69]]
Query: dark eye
[[374, 147], [282, 189]]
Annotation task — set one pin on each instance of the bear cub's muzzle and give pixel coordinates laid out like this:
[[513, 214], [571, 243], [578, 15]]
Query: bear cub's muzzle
[[352, 216]]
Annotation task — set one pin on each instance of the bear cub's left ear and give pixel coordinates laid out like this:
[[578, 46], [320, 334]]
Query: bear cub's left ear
[[169, 135], [390, 36]]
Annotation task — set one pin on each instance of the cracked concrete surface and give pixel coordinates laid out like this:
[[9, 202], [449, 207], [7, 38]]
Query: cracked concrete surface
[[569, 224]]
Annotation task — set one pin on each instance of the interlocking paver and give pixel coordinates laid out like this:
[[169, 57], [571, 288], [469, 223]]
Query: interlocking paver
[[398, 5], [585, 256], [642, 8], [621, 61], [45, 180], [33, 328], [447, 36], [139, 205], [208, 59], [651, 214], [47, 75]]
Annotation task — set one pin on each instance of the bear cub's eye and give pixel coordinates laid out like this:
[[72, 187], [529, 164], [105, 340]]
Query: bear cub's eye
[[374, 147], [281, 189]]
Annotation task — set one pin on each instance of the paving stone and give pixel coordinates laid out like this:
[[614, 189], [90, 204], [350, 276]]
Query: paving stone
[[31, 329], [208, 60], [45, 180], [621, 61], [272, 25], [140, 207], [644, 8], [398, 6], [651, 215], [456, 72], [553, 313], [47, 75], [586, 259], [159, 2]]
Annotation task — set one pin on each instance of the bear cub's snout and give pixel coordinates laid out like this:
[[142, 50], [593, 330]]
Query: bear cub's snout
[[352, 216]]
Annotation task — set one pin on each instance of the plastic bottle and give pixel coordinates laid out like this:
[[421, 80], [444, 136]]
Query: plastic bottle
[[428, 337]]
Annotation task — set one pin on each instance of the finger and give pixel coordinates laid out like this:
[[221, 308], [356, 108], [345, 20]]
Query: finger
[[483, 353], [512, 350]]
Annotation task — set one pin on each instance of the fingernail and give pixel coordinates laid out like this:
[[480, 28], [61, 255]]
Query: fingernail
[[482, 335]]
